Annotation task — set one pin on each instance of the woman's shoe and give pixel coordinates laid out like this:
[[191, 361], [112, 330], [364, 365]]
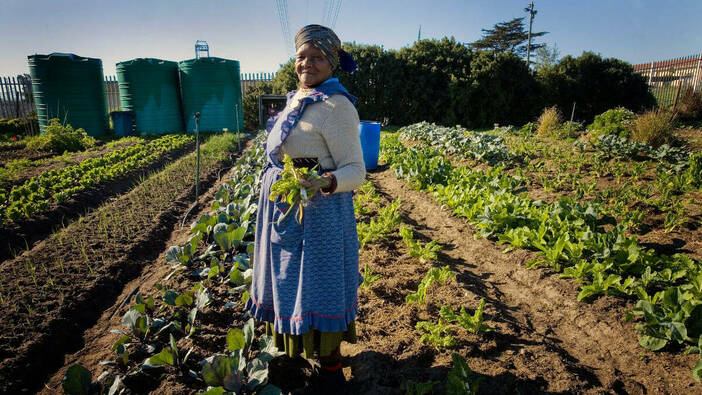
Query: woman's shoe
[[327, 383]]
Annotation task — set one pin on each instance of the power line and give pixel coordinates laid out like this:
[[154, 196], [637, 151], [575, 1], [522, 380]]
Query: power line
[[324, 12], [282, 11], [330, 10], [336, 14], [291, 44]]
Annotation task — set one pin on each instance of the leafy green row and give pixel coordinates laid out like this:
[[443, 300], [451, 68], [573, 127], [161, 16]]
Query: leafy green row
[[34, 196], [572, 238], [465, 144]]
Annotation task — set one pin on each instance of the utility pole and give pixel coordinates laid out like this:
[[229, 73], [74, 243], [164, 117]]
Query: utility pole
[[532, 13]]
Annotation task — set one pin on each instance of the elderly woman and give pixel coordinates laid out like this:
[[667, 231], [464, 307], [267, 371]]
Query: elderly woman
[[306, 276]]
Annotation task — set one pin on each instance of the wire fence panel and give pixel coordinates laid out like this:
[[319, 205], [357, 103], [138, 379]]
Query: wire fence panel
[[669, 79]]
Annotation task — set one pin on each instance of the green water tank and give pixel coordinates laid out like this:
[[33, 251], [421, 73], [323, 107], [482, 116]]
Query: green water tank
[[149, 87], [212, 87], [71, 88]]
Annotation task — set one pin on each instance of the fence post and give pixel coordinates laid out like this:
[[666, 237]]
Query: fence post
[[3, 98], [697, 72]]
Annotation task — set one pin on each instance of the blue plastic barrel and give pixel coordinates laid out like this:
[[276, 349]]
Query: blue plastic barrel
[[370, 143], [123, 122]]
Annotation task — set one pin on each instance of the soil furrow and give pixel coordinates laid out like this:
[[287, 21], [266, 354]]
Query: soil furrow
[[24, 234]]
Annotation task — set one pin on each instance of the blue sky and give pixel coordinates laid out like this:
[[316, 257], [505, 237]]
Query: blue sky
[[636, 31]]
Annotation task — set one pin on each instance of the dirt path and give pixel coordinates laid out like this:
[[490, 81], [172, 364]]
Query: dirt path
[[544, 340]]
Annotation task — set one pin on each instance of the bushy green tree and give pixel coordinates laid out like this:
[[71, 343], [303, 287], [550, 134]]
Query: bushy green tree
[[437, 81], [501, 91], [596, 84], [546, 56], [509, 36], [286, 79]]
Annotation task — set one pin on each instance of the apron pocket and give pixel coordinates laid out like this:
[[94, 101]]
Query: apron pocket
[[288, 232]]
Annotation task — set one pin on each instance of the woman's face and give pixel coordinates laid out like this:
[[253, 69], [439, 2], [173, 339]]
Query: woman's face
[[311, 66]]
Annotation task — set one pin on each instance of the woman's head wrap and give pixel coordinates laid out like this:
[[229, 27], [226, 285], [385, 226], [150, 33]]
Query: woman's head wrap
[[326, 41]]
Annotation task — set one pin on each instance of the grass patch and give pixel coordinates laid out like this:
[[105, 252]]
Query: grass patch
[[654, 128]]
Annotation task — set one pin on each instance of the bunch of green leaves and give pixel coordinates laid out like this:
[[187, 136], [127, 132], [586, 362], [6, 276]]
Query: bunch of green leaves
[[612, 122], [243, 368], [472, 322], [673, 315], [695, 170], [289, 190], [383, 224], [461, 380], [368, 277], [79, 381], [434, 275], [421, 168], [436, 334], [426, 252], [364, 197], [613, 146]]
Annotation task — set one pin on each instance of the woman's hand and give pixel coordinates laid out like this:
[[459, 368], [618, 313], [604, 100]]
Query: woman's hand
[[318, 183]]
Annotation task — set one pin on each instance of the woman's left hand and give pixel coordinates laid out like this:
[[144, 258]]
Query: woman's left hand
[[316, 184]]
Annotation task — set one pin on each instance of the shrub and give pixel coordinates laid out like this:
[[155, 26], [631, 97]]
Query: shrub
[[615, 121], [549, 121], [690, 105], [654, 128], [60, 138], [569, 129], [18, 126]]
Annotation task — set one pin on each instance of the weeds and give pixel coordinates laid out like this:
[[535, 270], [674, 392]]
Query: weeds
[[549, 121], [654, 128]]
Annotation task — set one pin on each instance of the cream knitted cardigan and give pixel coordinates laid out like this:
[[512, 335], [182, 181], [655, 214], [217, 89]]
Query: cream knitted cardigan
[[328, 131]]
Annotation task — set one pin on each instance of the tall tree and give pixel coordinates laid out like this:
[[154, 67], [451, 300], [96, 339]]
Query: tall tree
[[508, 36], [546, 56]]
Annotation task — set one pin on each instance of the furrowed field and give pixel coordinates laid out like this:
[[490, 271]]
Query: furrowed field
[[548, 258]]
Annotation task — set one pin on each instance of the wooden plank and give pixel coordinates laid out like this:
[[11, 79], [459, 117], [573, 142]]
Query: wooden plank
[[3, 98]]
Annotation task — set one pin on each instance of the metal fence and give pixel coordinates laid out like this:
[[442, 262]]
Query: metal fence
[[17, 99], [249, 80], [669, 79]]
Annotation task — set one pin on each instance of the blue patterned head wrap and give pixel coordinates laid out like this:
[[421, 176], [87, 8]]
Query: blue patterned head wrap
[[326, 41]]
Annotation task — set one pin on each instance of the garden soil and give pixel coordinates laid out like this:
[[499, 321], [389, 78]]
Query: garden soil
[[544, 341], [87, 298]]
